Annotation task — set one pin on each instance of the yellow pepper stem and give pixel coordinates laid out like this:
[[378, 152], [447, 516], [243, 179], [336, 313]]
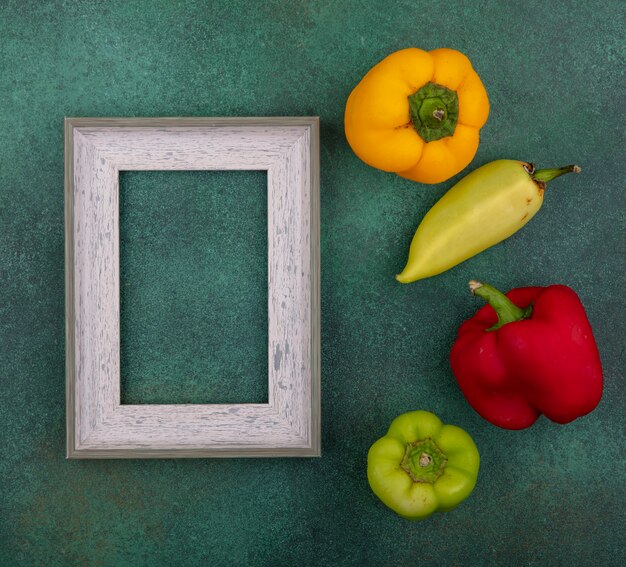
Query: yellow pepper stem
[[434, 111]]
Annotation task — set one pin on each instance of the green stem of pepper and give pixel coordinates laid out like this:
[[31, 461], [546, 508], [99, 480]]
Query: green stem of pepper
[[505, 309], [434, 111], [545, 175], [424, 461]]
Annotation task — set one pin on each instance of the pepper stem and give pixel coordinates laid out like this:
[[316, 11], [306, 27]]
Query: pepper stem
[[545, 175], [434, 111], [439, 114], [505, 309], [423, 461]]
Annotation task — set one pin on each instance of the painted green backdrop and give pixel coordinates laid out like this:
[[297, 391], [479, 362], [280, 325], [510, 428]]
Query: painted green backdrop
[[550, 495]]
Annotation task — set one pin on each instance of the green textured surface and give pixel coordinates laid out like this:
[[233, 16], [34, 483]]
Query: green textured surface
[[193, 287], [550, 495]]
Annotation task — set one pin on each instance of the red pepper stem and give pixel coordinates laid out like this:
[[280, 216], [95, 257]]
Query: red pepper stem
[[505, 309]]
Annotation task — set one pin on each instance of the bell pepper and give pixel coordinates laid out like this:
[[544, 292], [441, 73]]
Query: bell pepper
[[418, 114], [422, 466], [527, 353], [485, 207]]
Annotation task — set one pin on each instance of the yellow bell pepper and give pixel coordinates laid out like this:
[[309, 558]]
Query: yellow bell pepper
[[418, 114]]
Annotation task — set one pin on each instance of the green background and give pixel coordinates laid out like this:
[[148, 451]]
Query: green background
[[193, 287], [549, 495]]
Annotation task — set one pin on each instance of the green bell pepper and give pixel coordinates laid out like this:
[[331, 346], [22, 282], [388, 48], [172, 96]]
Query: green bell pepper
[[422, 466]]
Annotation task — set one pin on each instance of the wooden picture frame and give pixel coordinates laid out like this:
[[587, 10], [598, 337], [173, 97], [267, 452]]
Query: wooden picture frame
[[98, 425]]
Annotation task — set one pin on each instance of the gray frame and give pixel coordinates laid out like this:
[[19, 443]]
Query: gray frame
[[98, 426]]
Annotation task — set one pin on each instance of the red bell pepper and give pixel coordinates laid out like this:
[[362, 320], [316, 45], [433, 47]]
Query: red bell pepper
[[527, 353]]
